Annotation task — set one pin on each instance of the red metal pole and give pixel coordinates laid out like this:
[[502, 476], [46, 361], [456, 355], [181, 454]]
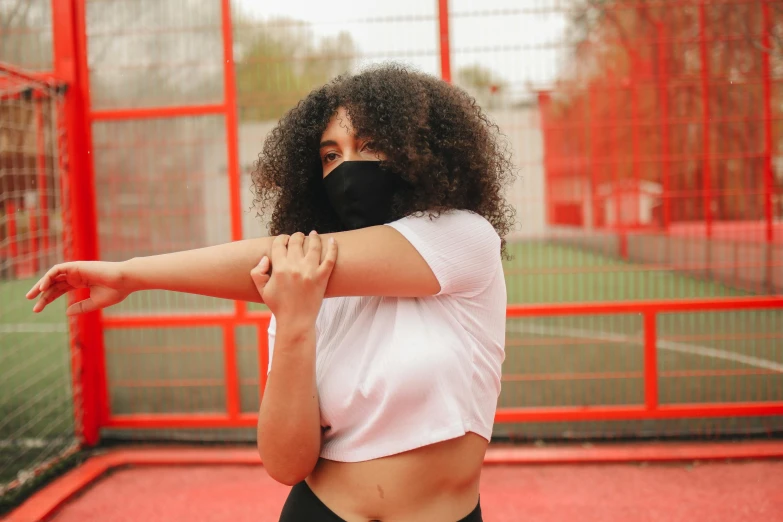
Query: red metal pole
[[43, 205], [32, 231], [614, 145], [768, 179], [232, 156], [650, 361], [46, 80], [594, 167], [705, 97], [70, 61], [663, 88], [635, 145], [445, 45], [13, 248], [232, 134], [231, 371]]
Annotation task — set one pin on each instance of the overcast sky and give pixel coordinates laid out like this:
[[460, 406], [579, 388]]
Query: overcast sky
[[519, 39]]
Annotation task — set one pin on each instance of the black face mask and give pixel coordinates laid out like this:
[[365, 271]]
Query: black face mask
[[361, 193]]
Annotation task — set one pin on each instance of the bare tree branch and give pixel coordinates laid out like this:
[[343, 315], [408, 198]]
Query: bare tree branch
[[14, 13], [756, 42]]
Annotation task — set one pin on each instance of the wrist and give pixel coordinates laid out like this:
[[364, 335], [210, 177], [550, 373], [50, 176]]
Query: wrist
[[129, 277], [294, 331]]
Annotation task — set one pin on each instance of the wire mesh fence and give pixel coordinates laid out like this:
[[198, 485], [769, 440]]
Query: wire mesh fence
[[182, 94], [39, 408]]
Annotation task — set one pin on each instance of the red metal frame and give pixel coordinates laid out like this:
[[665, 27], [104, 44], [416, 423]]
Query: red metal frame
[[13, 248], [650, 409], [617, 123], [443, 41], [87, 342], [705, 100], [769, 182], [42, 188], [157, 112], [71, 66], [663, 92]]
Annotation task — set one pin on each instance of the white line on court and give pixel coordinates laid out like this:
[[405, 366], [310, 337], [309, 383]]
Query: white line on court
[[33, 328], [691, 349]]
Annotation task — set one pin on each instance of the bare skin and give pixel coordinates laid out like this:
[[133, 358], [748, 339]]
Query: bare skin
[[434, 483], [438, 482]]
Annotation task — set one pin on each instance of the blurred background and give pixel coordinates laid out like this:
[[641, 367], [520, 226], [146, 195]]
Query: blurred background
[[646, 266]]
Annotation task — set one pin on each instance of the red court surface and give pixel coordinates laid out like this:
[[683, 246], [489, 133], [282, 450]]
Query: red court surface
[[542, 486]]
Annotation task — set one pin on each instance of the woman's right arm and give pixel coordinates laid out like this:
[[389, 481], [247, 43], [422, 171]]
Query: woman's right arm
[[289, 419]]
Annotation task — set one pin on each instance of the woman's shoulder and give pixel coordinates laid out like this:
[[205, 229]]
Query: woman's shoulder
[[457, 220]]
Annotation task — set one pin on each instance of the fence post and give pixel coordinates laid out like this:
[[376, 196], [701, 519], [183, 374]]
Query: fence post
[[635, 145], [13, 248], [445, 45], [650, 360], [233, 395], [705, 101], [43, 201], [768, 180], [70, 62], [598, 210], [663, 87]]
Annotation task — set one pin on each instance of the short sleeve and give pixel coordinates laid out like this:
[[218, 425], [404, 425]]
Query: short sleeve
[[461, 248]]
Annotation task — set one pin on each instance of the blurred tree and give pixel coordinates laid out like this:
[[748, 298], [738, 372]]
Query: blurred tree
[[25, 40], [279, 61], [482, 83]]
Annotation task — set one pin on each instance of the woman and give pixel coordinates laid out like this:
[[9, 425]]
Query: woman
[[380, 400]]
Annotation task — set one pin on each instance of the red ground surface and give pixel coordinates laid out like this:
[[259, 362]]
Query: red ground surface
[[715, 492]]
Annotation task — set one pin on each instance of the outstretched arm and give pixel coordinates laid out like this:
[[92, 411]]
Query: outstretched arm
[[375, 261]]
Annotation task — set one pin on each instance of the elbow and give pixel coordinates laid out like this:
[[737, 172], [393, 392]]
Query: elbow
[[288, 477], [288, 473], [288, 469]]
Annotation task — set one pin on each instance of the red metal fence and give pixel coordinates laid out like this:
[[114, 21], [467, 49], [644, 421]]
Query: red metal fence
[[166, 113], [669, 125]]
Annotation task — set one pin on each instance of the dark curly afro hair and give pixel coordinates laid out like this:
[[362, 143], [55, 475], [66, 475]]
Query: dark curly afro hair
[[432, 133]]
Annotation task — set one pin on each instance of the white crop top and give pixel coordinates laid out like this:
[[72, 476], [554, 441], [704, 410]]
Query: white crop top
[[395, 374]]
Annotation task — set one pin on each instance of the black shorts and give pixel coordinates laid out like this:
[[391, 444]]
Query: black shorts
[[303, 506]]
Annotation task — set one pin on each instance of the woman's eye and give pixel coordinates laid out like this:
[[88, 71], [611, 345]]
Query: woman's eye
[[331, 156], [370, 146]]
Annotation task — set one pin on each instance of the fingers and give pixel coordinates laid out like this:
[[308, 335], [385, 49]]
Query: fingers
[[314, 249], [45, 281], [50, 295], [82, 307], [326, 267], [34, 291], [260, 273], [296, 246], [279, 249]]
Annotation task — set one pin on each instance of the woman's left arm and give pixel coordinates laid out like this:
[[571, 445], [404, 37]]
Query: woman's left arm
[[374, 261]]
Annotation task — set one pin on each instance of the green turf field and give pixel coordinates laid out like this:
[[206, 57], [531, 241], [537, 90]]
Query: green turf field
[[563, 361]]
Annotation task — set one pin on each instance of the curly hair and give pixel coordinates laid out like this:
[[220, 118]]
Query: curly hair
[[433, 135]]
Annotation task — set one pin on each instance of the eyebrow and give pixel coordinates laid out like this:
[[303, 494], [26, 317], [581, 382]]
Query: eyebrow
[[328, 143]]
